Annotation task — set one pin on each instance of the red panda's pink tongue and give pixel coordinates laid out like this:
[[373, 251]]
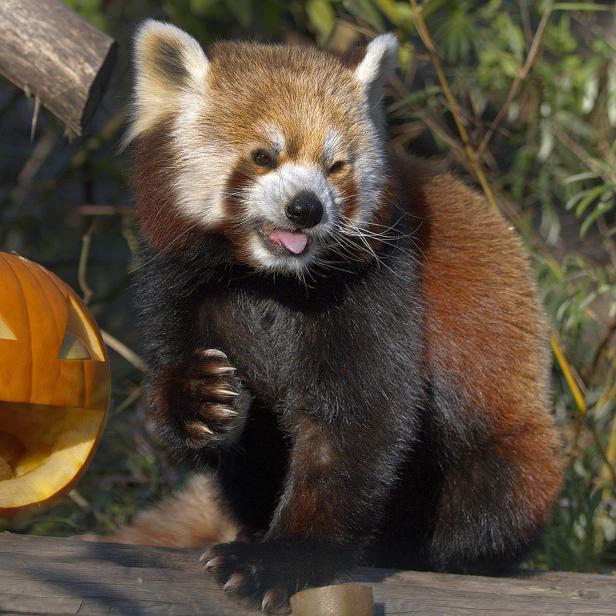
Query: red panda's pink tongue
[[294, 242]]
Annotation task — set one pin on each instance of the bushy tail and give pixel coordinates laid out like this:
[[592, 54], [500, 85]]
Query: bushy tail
[[193, 517]]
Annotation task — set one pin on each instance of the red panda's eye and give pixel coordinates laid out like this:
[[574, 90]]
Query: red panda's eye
[[335, 167], [263, 159]]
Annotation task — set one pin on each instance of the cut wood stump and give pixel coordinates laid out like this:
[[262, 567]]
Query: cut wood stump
[[50, 52], [44, 575]]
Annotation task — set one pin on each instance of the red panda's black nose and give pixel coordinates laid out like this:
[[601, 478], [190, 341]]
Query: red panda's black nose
[[305, 209]]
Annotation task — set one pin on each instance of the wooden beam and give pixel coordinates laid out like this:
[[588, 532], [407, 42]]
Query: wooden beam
[[44, 575], [50, 52]]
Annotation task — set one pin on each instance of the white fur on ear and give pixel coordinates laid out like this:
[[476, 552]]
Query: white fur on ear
[[378, 65], [168, 62]]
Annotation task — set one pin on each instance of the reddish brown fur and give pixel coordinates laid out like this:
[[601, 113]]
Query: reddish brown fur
[[240, 177], [193, 517], [305, 514], [311, 99], [154, 170], [482, 332], [483, 325], [315, 93], [346, 184]]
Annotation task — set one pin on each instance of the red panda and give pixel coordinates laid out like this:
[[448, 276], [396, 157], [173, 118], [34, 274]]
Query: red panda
[[346, 335]]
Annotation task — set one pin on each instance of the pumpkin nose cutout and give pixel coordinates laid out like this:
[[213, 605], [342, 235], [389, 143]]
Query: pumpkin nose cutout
[[78, 342], [305, 209], [74, 348], [5, 331]]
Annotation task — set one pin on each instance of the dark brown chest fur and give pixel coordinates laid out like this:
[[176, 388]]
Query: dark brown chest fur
[[294, 346], [249, 333]]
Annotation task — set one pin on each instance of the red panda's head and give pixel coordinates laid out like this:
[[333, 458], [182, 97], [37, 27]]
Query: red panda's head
[[278, 148]]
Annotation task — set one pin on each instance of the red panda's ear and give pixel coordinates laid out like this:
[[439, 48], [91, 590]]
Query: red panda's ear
[[377, 66], [167, 62]]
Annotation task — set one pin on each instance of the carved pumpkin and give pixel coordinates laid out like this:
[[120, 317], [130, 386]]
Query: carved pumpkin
[[54, 386]]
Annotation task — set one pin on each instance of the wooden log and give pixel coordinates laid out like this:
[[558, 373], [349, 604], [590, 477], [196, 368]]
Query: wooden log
[[44, 575], [49, 51], [337, 600]]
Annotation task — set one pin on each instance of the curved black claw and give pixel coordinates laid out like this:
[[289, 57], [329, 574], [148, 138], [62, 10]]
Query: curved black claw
[[265, 575]]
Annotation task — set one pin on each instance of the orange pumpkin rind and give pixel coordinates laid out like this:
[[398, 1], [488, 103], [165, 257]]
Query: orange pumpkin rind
[[54, 386]]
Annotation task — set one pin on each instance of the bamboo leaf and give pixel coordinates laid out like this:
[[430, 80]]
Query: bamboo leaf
[[586, 175], [581, 6], [583, 195], [602, 208], [366, 11], [322, 17], [399, 13]]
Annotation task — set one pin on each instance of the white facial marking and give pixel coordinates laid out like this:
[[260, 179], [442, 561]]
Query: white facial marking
[[369, 179], [275, 136], [332, 146], [267, 200], [269, 196], [204, 167]]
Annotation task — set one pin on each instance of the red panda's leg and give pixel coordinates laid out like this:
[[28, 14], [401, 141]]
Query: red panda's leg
[[338, 481]]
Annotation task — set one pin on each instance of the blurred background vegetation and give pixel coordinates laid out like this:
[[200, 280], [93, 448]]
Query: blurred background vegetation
[[518, 95]]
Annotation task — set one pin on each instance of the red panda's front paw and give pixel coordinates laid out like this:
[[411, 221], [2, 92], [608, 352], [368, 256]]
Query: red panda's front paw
[[252, 573], [202, 401]]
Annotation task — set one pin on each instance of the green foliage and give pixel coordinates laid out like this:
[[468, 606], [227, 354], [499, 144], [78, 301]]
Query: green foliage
[[551, 161], [322, 16], [92, 10]]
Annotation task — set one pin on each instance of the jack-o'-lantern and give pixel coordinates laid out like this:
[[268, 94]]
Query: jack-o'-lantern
[[54, 386]]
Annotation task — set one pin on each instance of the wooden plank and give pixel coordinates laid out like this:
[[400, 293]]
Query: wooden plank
[[44, 575], [49, 51]]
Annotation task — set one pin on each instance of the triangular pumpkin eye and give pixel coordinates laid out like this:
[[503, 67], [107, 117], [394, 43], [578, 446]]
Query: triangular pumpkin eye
[[5, 331], [80, 341], [73, 348]]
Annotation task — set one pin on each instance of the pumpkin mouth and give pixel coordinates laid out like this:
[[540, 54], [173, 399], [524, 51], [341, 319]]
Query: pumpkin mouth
[[43, 449]]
